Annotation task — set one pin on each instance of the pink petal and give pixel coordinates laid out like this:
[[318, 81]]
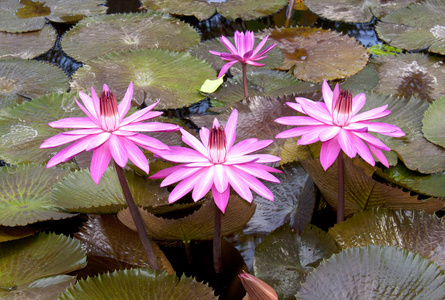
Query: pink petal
[[252, 63], [363, 150], [146, 142], [87, 131], [166, 172], [183, 188], [253, 170], [228, 45], [125, 133], [220, 179], [316, 110], [298, 121], [329, 133], [125, 104], [205, 183], [88, 102], [135, 155], [141, 115], [59, 157], [215, 53], [313, 135], [194, 142], [73, 123], [239, 43], [221, 199], [231, 129], [335, 95], [346, 143], [226, 67], [118, 150], [78, 147], [242, 147], [235, 160], [89, 115], [250, 147], [178, 175], [294, 132], [358, 102], [238, 185], [329, 153], [371, 140], [96, 103], [204, 134], [380, 156], [265, 51], [327, 95], [296, 106], [261, 45], [98, 140], [59, 140], [183, 155], [372, 114], [256, 185], [382, 128], [265, 158], [99, 162], [150, 126]]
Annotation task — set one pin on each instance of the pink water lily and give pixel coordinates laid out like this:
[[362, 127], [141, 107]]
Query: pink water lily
[[242, 51], [216, 163], [107, 133], [338, 125]]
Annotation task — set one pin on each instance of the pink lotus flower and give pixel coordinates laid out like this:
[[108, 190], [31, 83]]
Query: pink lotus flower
[[256, 288], [215, 163], [338, 125], [243, 51], [107, 133]]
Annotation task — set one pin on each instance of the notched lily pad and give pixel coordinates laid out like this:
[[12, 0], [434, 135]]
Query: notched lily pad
[[173, 77], [198, 225], [374, 272], [354, 11], [18, 232], [32, 268], [99, 35], [79, 193], [418, 26], [434, 122], [20, 79], [316, 54], [25, 197], [138, 284]]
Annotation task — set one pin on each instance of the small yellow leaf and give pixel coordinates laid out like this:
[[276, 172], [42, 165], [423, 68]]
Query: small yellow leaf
[[209, 86]]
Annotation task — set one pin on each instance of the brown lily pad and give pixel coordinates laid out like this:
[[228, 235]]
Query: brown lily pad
[[316, 54], [434, 122]]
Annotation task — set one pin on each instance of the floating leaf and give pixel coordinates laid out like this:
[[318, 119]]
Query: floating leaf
[[28, 78], [418, 26], [99, 35], [284, 258], [209, 86], [244, 9], [415, 231], [361, 191], [354, 11], [25, 197], [18, 232], [79, 193], [174, 77], [383, 49], [374, 272], [198, 225], [317, 54], [138, 284], [31, 267], [365, 80], [29, 15], [410, 74], [434, 122]]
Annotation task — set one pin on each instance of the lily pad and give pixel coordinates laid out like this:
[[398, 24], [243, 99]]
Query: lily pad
[[79, 193], [410, 74], [284, 258], [25, 195], [415, 231], [244, 9], [27, 45], [172, 76], [105, 237], [198, 225], [24, 127], [99, 35], [138, 284], [354, 11], [434, 122], [20, 79], [316, 54], [374, 272], [365, 80], [361, 191], [32, 268], [418, 26], [18, 232], [30, 15]]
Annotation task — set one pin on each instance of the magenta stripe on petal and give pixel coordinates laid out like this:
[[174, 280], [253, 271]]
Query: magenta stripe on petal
[[194, 143], [147, 141], [238, 185], [118, 150], [230, 129], [59, 140], [179, 175], [329, 153], [221, 199], [183, 188], [205, 183], [298, 121], [363, 150], [380, 156], [125, 104], [372, 140], [372, 114], [346, 143], [135, 154], [99, 162], [98, 140], [254, 171], [220, 178], [73, 123]]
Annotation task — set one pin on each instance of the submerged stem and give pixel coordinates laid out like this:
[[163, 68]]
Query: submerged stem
[[151, 257], [246, 91], [341, 189], [217, 257]]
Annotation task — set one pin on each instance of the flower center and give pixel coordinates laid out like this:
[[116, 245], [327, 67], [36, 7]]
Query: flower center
[[217, 145], [342, 114], [109, 114]]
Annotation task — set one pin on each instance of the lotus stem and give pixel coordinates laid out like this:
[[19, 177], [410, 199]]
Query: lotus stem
[[217, 257], [341, 189], [151, 257], [246, 90]]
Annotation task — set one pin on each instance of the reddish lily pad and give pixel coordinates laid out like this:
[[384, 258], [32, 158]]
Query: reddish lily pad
[[100, 35], [30, 15], [173, 77], [434, 122], [354, 11], [316, 54], [418, 26]]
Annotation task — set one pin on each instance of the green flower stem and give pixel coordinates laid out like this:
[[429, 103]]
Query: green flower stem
[[246, 91], [217, 257], [341, 189], [151, 257]]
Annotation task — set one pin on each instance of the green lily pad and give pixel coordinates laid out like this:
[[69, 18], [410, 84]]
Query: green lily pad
[[24, 127], [198, 225], [434, 122], [18, 232], [412, 74], [244, 9], [25, 197], [173, 77], [30, 15], [361, 191], [105, 237], [79, 193], [418, 26], [365, 80], [374, 272], [98, 35], [32, 268], [316, 54], [138, 284], [27, 45], [21, 78], [415, 231], [284, 258], [354, 11]]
